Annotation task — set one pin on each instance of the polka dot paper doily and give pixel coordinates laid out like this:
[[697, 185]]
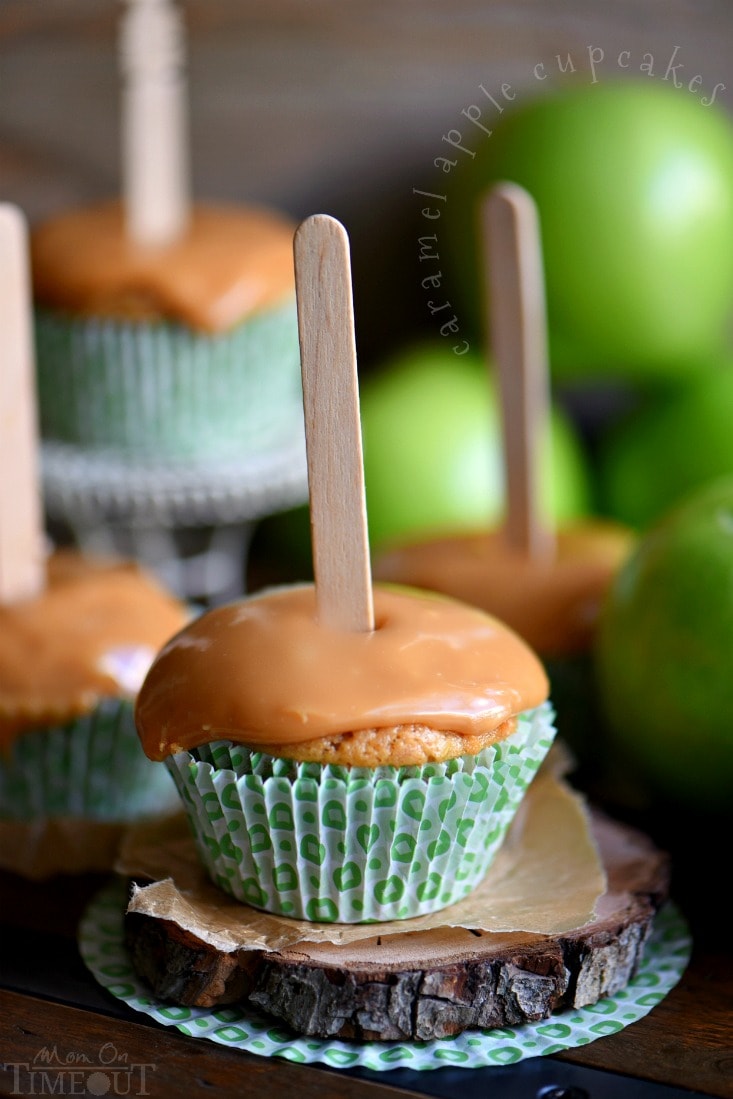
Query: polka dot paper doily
[[101, 942]]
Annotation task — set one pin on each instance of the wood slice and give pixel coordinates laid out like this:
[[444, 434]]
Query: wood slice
[[429, 984]]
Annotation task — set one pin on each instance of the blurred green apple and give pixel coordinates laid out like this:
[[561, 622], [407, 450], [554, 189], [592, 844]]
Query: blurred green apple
[[634, 185], [663, 655], [666, 449], [432, 448]]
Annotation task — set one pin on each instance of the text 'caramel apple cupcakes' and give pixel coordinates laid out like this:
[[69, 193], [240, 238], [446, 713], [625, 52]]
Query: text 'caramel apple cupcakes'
[[347, 777]]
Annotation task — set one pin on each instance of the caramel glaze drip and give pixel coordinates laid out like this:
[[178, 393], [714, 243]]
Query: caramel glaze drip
[[55, 649], [553, 605], [232, 262], [262, 671]]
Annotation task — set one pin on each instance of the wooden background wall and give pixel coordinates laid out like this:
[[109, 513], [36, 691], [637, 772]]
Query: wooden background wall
[[319, 105]]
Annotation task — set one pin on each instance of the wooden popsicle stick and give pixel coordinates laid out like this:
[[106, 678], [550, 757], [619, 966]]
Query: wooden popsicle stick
[[341, 560], [518, 327], [155, 170], [22, 539]]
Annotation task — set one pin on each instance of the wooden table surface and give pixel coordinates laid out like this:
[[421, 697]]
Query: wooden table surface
[[48, 998]]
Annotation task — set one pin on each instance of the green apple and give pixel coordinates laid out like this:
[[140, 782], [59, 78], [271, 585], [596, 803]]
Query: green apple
[[634, 186], [668, 448], [663, 655], [432, 448], [433, 456]]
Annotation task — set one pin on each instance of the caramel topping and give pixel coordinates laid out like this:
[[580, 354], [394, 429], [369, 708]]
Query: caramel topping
[[91, 634], [262, 671], [554, 605], [231, 262]]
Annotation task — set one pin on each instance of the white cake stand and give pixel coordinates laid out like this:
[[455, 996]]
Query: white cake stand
[[189, 523]]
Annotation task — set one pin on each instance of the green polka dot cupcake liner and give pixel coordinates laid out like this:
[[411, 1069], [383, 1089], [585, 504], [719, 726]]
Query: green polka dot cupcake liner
[[158, 391], [355, 845], [91, 768]]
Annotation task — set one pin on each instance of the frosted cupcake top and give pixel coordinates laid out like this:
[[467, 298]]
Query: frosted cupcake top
[[231, 262], [264, 672], [553, 604], [91, 634]]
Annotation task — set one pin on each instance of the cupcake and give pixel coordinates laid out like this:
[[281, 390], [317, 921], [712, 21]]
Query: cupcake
[[180, 352], [553, 603], [347, 776], [71, 661]]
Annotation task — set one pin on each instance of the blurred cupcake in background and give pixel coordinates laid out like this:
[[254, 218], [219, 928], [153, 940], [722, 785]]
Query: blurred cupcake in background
[[166, 329], [77, 634], [553, 604], [544, 576], [71, 661], [188, 351]]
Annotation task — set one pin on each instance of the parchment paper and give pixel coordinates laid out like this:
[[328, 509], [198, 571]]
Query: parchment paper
[[546, 878]]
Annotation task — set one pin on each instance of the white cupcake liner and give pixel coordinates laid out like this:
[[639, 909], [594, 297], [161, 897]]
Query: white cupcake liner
[[355, 845], [90, 768], [161, 391]]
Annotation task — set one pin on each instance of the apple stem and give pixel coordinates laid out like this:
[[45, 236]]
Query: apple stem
[[518, 328], [341, 560], [22, 540]]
